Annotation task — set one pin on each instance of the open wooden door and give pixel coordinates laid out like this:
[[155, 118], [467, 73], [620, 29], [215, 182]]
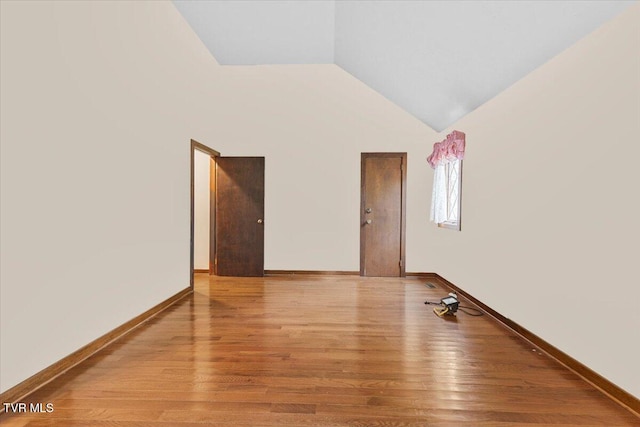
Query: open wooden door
[[382, 214], [239, 216]]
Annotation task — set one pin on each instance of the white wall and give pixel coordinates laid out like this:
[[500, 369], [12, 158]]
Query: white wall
[[99, 101], [550, 203], [201, 210], [117, 80], [312, 137]]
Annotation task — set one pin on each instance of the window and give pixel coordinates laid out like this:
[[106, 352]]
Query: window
[[446, 161], [448, 199]]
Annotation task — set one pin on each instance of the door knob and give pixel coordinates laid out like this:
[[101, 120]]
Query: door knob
[[260, 221], [368, 221]]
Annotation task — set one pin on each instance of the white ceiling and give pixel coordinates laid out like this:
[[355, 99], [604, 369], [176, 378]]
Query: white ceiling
[[439, 60]]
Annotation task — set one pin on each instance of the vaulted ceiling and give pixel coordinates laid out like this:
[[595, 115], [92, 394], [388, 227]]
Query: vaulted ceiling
[[439, 60]]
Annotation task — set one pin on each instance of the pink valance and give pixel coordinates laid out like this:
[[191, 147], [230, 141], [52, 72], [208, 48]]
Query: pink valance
[[452, 148]]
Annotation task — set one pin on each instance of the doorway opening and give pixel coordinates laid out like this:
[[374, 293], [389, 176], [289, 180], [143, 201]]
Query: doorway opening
[[232, 236], [202, 242]]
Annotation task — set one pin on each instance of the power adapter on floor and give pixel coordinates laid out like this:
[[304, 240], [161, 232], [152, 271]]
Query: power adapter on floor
[[448, 305]]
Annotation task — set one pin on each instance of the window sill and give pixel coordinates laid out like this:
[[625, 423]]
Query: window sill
[[450, 225]]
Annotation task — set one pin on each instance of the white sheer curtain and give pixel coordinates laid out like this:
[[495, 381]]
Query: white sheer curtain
[[439, 195]]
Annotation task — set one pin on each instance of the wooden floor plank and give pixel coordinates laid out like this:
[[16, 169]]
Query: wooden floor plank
[[319, 351]]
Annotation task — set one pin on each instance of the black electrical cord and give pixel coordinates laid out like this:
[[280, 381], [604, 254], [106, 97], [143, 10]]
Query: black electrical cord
[[479, 312]]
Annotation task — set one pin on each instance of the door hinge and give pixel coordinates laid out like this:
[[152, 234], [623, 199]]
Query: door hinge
[[400, 263]]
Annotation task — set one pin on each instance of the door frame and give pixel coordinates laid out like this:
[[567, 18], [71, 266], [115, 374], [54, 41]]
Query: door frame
[[403, 206], [195, 145]]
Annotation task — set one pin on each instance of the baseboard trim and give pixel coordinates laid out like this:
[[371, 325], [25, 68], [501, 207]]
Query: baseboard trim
[[422, 275], [200, 270], [624, 398], [33, 383], [310, 273]]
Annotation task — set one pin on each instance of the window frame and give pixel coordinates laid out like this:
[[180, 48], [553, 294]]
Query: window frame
[[453, 225]]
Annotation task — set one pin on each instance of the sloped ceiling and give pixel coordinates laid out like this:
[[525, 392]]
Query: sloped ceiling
[[439, 60]]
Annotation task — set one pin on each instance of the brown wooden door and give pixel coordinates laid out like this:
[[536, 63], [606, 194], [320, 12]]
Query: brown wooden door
[[382, 214], [239, 219]]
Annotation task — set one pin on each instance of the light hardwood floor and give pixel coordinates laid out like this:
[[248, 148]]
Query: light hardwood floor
[[319, 351]]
